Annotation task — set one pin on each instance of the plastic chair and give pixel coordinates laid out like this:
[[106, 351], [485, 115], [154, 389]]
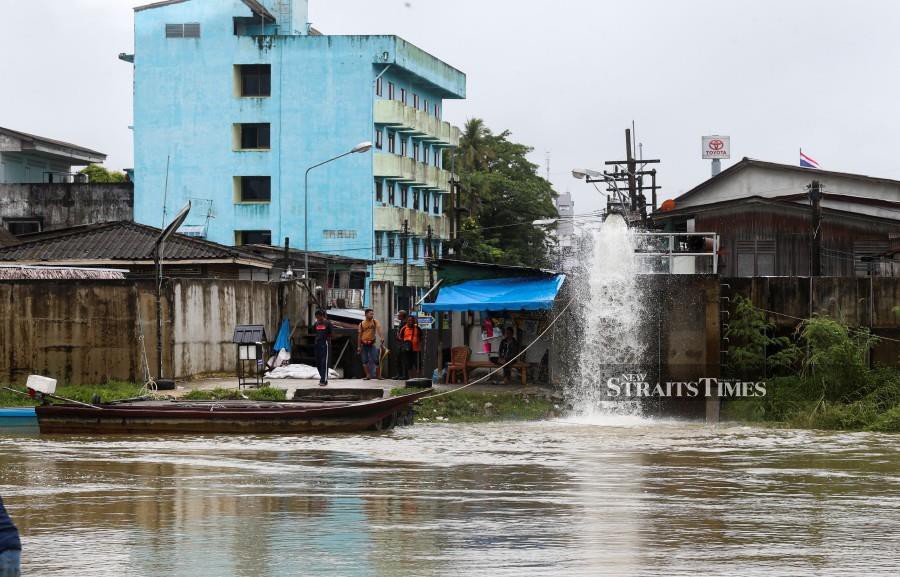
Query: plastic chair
[[459, 362]]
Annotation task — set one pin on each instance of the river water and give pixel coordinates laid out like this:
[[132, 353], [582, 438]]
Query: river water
[[625, 497]]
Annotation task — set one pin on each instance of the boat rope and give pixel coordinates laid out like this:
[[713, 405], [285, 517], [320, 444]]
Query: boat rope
[[512, 360]]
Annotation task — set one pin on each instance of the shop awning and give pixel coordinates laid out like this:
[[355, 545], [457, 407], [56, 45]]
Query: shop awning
[[499, 294]]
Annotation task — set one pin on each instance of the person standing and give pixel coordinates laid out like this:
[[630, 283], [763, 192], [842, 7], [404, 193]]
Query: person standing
[[10, 545], [323, 331], [401, 322], [410, 336], [369, 331]]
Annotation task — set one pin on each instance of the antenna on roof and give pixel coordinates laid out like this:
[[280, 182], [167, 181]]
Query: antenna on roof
[[158, 257]]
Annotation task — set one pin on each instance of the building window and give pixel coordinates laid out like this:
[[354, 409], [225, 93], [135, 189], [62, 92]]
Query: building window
[[426, 199], [415, 101], [378, 142], [392, 246], [437, 157], [391, 197], [437, 204], [242, 237], [378, 243], [403, 95], [378, 86], [379, 191], [390, 90], [254, 189], [19, 226], [333, 234], [755, 258], [402, 145], [255, 80], [392, 141], [404, 195], [425, 153], [415, 195], [425, 105], [255, 136], [188, 30], [437, 111], [415, 247]]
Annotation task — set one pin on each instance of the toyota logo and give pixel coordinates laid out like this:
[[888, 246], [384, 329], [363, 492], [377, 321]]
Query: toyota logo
[[716, 144]]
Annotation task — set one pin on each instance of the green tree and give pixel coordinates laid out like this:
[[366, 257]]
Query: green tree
[[503, 194], [838, 358], [752, 352], [98, 173]]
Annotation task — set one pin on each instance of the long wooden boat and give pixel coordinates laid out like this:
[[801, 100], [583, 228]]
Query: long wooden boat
[[231, 417]]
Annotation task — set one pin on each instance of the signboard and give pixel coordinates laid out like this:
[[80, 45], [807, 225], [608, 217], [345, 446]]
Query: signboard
[[425, 321], [716, 147]]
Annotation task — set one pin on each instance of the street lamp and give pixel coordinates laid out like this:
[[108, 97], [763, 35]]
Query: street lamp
[[359, 148]]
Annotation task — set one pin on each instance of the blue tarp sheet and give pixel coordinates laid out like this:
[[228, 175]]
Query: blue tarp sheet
[[283, 341], [499, 294]]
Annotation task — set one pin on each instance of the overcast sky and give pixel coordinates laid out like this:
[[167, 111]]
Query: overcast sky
[[566, 76]]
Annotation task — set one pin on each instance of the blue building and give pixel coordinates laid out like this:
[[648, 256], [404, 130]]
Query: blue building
[[235, 99]]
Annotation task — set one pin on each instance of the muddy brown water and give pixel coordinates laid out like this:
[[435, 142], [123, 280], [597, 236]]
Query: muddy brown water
[[625, 497]]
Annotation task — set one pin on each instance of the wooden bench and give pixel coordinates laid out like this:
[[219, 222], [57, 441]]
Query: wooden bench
[[521, 365]]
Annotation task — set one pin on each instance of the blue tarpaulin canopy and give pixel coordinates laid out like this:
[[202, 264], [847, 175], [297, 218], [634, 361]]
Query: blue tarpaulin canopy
[[499, 294]]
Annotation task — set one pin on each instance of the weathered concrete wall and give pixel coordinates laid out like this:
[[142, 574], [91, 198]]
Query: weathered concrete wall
[[206, 312], [61, 205], [858, 302], [77, 331], [88, 331]]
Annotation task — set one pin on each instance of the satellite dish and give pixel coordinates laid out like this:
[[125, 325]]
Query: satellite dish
[[174, 225]]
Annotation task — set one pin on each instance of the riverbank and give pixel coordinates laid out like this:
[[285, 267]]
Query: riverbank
[[799, 403]]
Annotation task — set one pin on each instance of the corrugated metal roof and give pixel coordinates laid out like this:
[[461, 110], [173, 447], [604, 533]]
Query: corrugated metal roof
[[34, 137], [118, 240], [254, 5], [7, 238], [249, 334]]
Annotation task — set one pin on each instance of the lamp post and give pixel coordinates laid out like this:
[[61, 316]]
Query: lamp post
[[359, 148]]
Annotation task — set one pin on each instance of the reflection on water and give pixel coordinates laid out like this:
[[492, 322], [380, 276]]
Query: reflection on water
[[552, 498]]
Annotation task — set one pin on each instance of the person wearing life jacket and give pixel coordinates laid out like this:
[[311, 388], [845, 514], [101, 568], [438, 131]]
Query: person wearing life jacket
[[369, 332], [410, 336]]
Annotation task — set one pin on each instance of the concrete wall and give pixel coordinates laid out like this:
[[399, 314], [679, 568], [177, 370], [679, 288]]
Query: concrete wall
[[858, 302], [62, 205], [88, 331]]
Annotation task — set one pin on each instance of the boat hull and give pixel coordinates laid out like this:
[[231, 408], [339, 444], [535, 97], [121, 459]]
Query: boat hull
[[226, 417]]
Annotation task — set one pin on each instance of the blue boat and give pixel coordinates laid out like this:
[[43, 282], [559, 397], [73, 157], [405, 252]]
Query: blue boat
[[17, 417]]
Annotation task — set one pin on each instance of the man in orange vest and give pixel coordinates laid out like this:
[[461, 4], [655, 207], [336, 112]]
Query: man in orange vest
[[410, 345]]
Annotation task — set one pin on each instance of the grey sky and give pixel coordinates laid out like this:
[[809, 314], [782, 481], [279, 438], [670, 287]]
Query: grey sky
[[565, 76]]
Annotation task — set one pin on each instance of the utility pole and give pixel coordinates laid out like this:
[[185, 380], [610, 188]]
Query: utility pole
[[631, 167], [815, 245], [429, 255], [404, 240], [629, 172]]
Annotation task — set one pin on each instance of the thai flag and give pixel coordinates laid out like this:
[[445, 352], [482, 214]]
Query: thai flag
[[807, 162]]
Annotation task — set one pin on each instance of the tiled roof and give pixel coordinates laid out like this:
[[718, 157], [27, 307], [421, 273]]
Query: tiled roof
[[116, 241]]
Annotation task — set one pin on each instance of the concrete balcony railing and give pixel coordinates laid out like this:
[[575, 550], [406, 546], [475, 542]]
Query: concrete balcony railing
[[405, 169], [390, 218], [416, 122]]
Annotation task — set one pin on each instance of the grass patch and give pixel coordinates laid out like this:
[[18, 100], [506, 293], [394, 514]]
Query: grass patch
[[110, 391], [798, 402], [469, 407], [263, 394]]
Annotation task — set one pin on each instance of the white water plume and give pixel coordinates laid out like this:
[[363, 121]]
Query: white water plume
[[613, 341]]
